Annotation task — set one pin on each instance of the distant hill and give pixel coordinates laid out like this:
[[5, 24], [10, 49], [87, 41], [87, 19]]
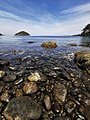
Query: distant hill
[[86, 30], [22, 33]]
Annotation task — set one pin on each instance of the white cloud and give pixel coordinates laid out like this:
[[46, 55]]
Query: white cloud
[[47, 24]]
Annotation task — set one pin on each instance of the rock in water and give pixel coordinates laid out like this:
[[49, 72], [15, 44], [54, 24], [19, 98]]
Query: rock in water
[[82, 59], [23, 108], [60, 93], [49, 44], [22, 33], [2, 73]]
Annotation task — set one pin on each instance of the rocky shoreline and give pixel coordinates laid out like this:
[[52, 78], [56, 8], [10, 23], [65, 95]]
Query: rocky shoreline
[[45, 87]]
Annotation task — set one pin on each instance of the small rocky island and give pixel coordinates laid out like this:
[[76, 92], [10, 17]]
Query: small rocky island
[[0, 34], [22, 33]]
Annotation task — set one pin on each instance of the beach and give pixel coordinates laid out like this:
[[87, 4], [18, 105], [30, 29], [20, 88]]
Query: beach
[[44, 84]]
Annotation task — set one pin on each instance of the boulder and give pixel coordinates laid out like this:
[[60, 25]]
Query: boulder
[[22, 108], [49, 44], [82, 59], [22, 33]]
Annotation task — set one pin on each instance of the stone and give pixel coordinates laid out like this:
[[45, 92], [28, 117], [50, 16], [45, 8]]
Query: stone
[[82, 59], [59, 92], [72, 44], [61, 118], [2, 73], [30, 88], [9, 78], [22, 33], [5, 97], [49, 44], [22, 107], [36, 76], [70, 106], [47, 102]]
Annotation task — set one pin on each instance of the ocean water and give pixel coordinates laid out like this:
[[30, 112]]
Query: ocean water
[[20, 43]]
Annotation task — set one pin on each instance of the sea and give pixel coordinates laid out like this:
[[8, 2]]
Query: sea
[[32, 45]]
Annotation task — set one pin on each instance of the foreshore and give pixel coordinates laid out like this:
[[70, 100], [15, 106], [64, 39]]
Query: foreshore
[[45, 86]]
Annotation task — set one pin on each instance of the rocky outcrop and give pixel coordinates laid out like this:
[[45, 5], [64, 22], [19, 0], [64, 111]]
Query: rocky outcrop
[[49, 44], [82, 59], [0, 34], [22, 33], [86, 31]]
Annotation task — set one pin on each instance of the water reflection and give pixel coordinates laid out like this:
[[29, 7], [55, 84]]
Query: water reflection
[[85, 41]]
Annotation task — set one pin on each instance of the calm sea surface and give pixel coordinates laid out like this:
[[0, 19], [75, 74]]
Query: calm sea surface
[[10, 43]]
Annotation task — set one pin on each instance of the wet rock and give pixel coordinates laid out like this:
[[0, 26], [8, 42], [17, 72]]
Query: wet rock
[[49, 44], [19, 92], [4, 62], [2, 73], [47, 102], [17, 82], [82, 59], [70, 106], [61, 118], [30, 88], [56, 108], [23, 107], [72, 44], [9, 78], [30, 42], [60, 92], [5, 97], [34, 77]]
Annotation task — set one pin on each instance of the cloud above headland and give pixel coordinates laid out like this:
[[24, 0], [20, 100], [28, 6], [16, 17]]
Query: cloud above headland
[[64, 22]]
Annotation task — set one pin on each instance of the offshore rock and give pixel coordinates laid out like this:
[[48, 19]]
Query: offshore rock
[[23, 108], [60, 92], [22, 33], [49, 44], [82, 59]]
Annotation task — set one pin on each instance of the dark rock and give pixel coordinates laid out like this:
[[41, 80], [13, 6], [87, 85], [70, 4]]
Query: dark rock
[[60, 92], [24, 108], [72, 44], [4, 62], [86, 31], [70, 106], [22, 33], [9, 78], [31, 42], [61, 118], [1, 34], [49, 44]]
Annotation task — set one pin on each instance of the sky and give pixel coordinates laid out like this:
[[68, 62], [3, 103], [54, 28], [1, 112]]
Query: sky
[[44, 17]]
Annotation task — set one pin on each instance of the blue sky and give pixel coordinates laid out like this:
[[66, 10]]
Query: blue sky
[[44, 17]]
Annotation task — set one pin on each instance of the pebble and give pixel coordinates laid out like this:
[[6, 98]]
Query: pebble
[[70, 106], [2, 73], [47, 102], [9, 78], [30, 88], [5, 97], [60, 92]]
